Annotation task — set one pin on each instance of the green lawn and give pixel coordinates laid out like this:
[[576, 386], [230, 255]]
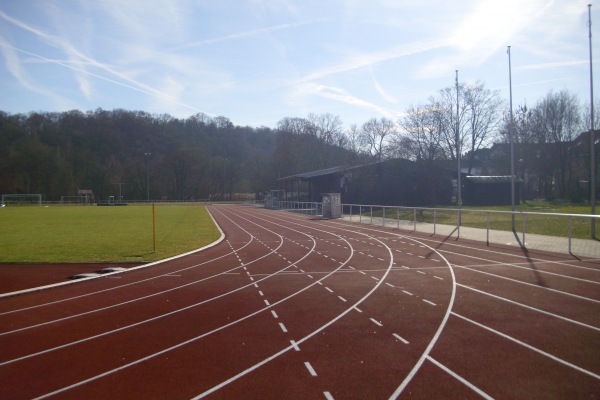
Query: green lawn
[[89, 234], [538, 224]]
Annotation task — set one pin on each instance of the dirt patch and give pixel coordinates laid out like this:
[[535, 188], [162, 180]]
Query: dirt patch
[[14, 277]]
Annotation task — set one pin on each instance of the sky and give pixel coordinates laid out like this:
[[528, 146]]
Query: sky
[[259, 61]]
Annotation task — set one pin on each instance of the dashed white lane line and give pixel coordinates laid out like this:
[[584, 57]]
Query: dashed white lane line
[[437, 277], [358, 309], [328, 396], [377, 279], [283, 328], [274, 314], [261, 293], [408, 293], [310, 369], [267, 302], [421, 272], [429, 302], [329, 290], [342, 299], [389, 284], [400, 338], [295, 345], [310, 276], [373, 320]]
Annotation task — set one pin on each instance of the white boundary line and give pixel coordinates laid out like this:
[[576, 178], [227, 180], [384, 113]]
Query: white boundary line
[[55, 285]]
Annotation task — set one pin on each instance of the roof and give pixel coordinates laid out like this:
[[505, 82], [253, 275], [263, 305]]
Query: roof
[[313, 174]]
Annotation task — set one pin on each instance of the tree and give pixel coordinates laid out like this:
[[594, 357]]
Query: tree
[[483, 107], [375, 135], [423, 128], [558, 123]]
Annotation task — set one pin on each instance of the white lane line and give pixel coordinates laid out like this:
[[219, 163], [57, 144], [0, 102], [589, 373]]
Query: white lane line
[[283, 328], [342, 299], [400, 338], [310, 276], [528, 284], [429, 302], [358, 309], [512, 339], [362, 272], [267, 302], [274, 314], [260, 293], [328, 396], [373, 320], [310, 369], [295, 345], [389, 284], [329, 290], [408, 293], [461, 379], [437, 277], [530, 308], [421, 272]]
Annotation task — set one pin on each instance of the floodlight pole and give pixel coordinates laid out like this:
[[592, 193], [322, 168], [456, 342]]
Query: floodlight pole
[[458, 151], [592, 133], [512, 145]]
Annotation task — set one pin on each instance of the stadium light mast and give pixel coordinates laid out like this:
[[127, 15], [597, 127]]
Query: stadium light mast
[[512, 145], [458, 150], [592, 133]]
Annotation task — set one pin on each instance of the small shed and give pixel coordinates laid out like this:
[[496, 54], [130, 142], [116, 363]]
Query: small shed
[[332, 205], [489, 191]]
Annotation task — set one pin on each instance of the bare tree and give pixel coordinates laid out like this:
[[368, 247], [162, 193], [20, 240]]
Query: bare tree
[[483, 107], [559, 121], [327, 127], [375, 135], [422, 135]]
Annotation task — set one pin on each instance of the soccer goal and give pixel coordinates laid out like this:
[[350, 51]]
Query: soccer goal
[[78, 200], [22, 199]]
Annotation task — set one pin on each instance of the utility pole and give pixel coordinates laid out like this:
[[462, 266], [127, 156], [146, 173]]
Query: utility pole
[[512, 145], [458, 151], [592, 133]]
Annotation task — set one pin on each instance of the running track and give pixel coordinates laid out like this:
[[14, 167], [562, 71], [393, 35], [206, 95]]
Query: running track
[[291, 306]]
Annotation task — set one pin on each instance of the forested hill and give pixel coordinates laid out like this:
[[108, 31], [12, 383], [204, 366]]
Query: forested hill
[[55, 154]]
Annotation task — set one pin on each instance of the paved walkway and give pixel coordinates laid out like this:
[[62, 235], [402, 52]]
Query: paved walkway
[[578, 247]]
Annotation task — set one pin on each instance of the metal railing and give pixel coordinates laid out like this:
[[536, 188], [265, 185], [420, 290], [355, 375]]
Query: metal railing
[[551, 231]]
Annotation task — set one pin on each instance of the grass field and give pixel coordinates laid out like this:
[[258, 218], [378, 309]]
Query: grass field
[[90, 234], [477, 217]]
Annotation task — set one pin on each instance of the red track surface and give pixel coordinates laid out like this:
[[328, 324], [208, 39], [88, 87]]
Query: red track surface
[[290, 306]]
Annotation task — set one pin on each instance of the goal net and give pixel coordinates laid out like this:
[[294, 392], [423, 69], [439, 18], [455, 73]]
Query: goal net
[[82, 200], [22, 199]]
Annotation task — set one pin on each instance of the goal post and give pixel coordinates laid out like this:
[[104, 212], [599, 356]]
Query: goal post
[[22, 199], [78, 200]]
